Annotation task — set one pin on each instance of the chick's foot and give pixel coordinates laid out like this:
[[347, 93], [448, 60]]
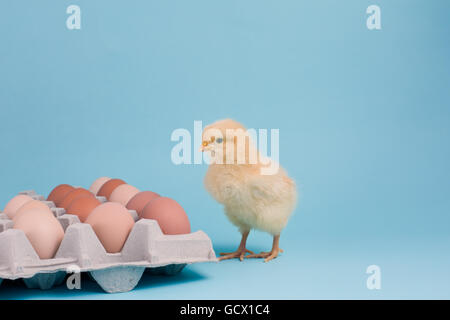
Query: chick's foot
[[240, 253], [269, 255]]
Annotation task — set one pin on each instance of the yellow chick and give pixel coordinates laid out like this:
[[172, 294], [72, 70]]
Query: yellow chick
[[251, 198]]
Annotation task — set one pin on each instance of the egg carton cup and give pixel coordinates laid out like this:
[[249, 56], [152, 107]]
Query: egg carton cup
[[146, 249]]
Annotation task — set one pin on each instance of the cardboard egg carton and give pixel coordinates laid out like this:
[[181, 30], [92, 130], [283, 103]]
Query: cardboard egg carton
[[146, 249]]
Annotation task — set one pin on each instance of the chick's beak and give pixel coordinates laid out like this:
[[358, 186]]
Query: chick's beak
[[204, 146], [207, 146]]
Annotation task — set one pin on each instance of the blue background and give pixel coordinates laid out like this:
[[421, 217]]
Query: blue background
[[364, 121]]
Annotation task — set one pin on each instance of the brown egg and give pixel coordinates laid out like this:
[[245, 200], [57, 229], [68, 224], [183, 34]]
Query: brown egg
[[171, 217], [112, 223], [140, 200], [82, 206], [78, 192], [108, 187], [59, 192]]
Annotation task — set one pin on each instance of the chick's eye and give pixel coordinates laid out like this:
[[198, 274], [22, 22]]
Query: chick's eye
[[219, 140]]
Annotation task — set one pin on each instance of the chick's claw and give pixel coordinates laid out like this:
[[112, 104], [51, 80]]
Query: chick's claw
[[237, 254], [267, 255], [271, 256]]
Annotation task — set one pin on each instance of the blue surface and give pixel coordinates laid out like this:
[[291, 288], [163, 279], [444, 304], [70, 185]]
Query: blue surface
[[364, 119]]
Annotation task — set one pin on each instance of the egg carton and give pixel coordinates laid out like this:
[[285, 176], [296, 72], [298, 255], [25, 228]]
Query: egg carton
[[146, 249]]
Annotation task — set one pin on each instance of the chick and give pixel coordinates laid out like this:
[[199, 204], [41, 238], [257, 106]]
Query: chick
[[251, 199]]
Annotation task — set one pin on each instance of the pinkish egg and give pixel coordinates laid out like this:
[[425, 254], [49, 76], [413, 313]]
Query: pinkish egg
[[15, 203], [123, 193], [97, 184], [112, 223], [31, 206], [171, 217], [43, 230]]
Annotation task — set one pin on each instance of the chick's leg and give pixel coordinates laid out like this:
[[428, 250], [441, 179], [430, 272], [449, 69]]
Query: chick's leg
[[269, 255], [240, 252]]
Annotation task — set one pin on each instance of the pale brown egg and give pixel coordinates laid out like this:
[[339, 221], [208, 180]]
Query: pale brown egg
[[58, 193], [112, 224], [15, 203], [30, 206], [97, 184], [171, 217], [83, 206], [43, 231], [123, 193]]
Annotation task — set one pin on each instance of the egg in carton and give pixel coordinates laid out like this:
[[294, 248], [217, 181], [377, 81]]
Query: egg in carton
[[19, 260], [146, 249]]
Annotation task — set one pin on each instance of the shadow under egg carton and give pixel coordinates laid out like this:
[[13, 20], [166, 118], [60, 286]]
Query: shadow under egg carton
[[146, 249]]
